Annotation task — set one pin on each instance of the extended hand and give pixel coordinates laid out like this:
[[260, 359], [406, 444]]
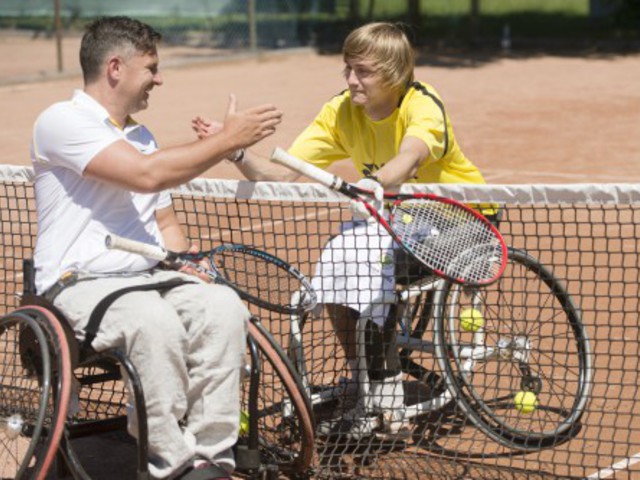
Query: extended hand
[[250, 126], [205, 127]]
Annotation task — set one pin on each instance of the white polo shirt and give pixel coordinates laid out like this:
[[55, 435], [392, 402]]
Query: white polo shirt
[[75, 213]]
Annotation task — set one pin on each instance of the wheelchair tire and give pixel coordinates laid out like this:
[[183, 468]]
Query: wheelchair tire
[[531, 339], [281, 413], [35, 384]]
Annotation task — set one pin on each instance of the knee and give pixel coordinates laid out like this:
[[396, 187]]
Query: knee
[[226, 312]]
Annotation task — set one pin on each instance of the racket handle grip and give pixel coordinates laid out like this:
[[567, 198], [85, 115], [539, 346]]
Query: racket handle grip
[[154, 252], [323, 177]]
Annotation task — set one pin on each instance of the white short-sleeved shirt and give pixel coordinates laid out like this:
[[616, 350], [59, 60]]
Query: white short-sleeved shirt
[[75, 213]]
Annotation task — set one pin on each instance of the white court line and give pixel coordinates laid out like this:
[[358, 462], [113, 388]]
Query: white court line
[[621, 465]]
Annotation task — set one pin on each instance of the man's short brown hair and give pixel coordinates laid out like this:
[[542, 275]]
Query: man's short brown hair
[[108, 34]]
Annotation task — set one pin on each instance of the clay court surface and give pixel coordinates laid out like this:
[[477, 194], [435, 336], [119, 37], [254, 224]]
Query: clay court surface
[[521, 118], [524, 118]]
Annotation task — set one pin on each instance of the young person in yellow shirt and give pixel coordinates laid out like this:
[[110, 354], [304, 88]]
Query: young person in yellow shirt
[[395, 130]]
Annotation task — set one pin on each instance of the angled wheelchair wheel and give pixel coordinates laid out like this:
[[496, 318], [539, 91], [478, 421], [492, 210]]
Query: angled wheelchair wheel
[[516, 355], [35, 383], [276, 414]]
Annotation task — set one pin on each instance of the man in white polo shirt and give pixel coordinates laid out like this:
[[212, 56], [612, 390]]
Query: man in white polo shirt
[[99, 172]]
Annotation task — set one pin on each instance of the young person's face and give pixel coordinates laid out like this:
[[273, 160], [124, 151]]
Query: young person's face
[[140, 74], [366, 85]]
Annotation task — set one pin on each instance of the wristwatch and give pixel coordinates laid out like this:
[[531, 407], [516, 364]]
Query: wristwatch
[[239, 156]]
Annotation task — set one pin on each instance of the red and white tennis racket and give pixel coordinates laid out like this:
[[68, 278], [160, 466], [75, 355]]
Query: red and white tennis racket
[[449, 238]]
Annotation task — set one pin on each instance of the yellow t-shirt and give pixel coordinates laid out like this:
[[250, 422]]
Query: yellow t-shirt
[[342, 130]]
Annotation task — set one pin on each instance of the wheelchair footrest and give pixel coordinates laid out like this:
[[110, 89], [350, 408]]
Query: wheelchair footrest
[[247, 459]]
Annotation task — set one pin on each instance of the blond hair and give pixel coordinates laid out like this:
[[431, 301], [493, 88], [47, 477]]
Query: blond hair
[[387, 46]]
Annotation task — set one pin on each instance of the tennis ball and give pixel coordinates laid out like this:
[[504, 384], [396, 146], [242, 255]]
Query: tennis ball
[[471, 320], [525, 402], [244, 423], [407, 218]]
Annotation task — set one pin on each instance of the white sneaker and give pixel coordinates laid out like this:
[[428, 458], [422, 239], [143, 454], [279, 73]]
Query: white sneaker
[[387, 394], [359, 423], [395, 425], [355, 426], [387, 399]]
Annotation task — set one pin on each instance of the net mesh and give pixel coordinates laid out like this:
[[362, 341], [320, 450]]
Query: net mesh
[[561, 324]]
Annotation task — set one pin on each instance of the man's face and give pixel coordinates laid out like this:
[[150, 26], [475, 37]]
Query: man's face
[[140, 74]]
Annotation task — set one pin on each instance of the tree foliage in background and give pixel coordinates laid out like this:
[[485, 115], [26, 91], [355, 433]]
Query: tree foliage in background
[[225, 24], [629, 14]]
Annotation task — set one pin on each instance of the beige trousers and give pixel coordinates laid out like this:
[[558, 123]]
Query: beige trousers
[[188, 345]]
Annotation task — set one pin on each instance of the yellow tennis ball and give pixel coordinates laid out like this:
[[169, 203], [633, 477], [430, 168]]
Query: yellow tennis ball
[[407, 218], [525, 402], [244, 423], [471, 320]]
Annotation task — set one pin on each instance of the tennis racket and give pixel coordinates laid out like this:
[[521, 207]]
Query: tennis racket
[[258, 277], [451, 239]]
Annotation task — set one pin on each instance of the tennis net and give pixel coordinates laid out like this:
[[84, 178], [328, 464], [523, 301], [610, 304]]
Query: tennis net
[[586, 238]]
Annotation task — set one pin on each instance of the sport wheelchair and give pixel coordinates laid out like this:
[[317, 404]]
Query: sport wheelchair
[[528, 337], [54, 389]]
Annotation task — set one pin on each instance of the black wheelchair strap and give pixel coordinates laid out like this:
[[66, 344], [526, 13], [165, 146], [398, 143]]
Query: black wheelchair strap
[[101, 308]]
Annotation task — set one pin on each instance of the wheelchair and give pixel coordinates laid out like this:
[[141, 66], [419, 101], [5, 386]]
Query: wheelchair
[[529, 338], [55, 389]]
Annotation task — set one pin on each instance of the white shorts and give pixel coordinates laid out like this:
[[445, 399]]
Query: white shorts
[[356, 269]]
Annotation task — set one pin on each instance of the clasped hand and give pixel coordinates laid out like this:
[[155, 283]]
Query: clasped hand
[[203, 263], [376, 199]]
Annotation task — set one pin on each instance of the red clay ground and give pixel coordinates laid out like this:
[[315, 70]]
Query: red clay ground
[[535, 119]]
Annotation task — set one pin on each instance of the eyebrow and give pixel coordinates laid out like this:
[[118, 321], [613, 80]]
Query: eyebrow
[[360, 64]]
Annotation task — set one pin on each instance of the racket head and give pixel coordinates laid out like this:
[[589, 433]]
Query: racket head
[[261, 278], [451, 239]]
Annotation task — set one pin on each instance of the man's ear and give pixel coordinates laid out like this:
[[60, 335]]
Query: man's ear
[[114, 67]]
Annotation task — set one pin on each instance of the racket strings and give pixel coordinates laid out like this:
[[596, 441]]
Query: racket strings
[[256, 276], [449, 239]]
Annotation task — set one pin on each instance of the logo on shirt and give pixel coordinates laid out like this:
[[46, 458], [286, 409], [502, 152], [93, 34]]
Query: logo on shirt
[[370, 169]]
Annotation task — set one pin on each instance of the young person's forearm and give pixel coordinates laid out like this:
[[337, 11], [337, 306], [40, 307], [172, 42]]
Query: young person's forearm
[[262, 170], [404, 166]]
